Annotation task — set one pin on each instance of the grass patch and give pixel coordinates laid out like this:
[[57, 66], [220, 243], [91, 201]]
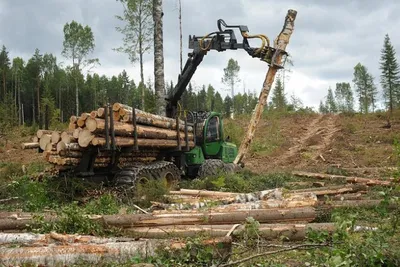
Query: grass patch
[[242, 182]]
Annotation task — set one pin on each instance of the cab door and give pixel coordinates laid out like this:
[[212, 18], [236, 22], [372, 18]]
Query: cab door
[[212, 136]]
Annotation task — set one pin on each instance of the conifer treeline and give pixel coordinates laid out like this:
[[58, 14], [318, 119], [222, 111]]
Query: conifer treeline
[[39, 86]]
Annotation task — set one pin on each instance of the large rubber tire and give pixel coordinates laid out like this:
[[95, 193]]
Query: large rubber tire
[[211, 167], [171, 175]]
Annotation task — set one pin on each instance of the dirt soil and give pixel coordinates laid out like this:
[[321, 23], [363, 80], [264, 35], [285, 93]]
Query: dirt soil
[[356, 144]]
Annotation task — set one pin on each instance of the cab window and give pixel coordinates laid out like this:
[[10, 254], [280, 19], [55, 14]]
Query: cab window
[[213, 133]]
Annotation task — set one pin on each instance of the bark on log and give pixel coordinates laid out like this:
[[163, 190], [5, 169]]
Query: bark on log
[[306, 214], [347, 179], [65, 250], [85, 137], [118, 106], [63, 148], [153, 120], [333, 190], [30, 145], [44, 140], [364, 203], [341, 197], [203, 193], [73, 119], [129, 141], [127, 129], [280, 44], [55, 137], [40, 133], [292, 232], [63, 161], [67, 138]]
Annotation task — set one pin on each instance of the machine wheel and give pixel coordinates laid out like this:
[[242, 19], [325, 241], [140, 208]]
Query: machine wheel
[[211, 167], [230, 168], [170, 175]]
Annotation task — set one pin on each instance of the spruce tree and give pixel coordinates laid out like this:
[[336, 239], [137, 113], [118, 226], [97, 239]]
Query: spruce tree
[[330, 103], [365, 88], [390, 75], [279, 101]]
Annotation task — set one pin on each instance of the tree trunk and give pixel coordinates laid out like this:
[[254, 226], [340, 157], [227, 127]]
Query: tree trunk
[[126, 142], [281, 43], [100, 113], [76, 132], [63, 148], [67, 138], [85, 137], [344, 178], [143, 117], [93, 114], [81, 122], [180, 35], [306, 214], [44, 140], [127, 129], [55, 137], [76, 96], [68, 250], [159, 81], [29, 145], [40, 133], [292, 232]]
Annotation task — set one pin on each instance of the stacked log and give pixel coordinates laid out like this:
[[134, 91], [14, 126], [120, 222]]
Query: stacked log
[[148, 131]]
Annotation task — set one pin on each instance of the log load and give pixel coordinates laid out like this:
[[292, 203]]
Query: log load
[[88, 133], [146, 118], [127, 129]]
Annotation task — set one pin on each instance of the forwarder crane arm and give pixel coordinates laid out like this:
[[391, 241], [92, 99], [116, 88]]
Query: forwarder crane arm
[[220, 40]]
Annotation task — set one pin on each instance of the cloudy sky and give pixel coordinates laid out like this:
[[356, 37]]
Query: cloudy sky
[[330, 37]]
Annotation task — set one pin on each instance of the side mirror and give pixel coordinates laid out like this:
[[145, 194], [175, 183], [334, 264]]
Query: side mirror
[[228, 139]]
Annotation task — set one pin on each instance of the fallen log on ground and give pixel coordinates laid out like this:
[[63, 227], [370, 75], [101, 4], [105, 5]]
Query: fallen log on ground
[[348, 179], [292, 232], [65, 250], [30, 145], [333, 190], [306, 214], [274, 198]]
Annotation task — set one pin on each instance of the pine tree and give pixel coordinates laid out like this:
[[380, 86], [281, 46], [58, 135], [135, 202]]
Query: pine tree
[[322, 108], [278, 99], [228, 106], [4, 67], [390, 77], [344, 97], [330, 103], [365, 88]]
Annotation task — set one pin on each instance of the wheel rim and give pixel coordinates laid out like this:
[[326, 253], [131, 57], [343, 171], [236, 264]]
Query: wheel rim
[[169, 179]]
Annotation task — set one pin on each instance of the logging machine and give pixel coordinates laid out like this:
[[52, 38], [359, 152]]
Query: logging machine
[[211, 152]]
